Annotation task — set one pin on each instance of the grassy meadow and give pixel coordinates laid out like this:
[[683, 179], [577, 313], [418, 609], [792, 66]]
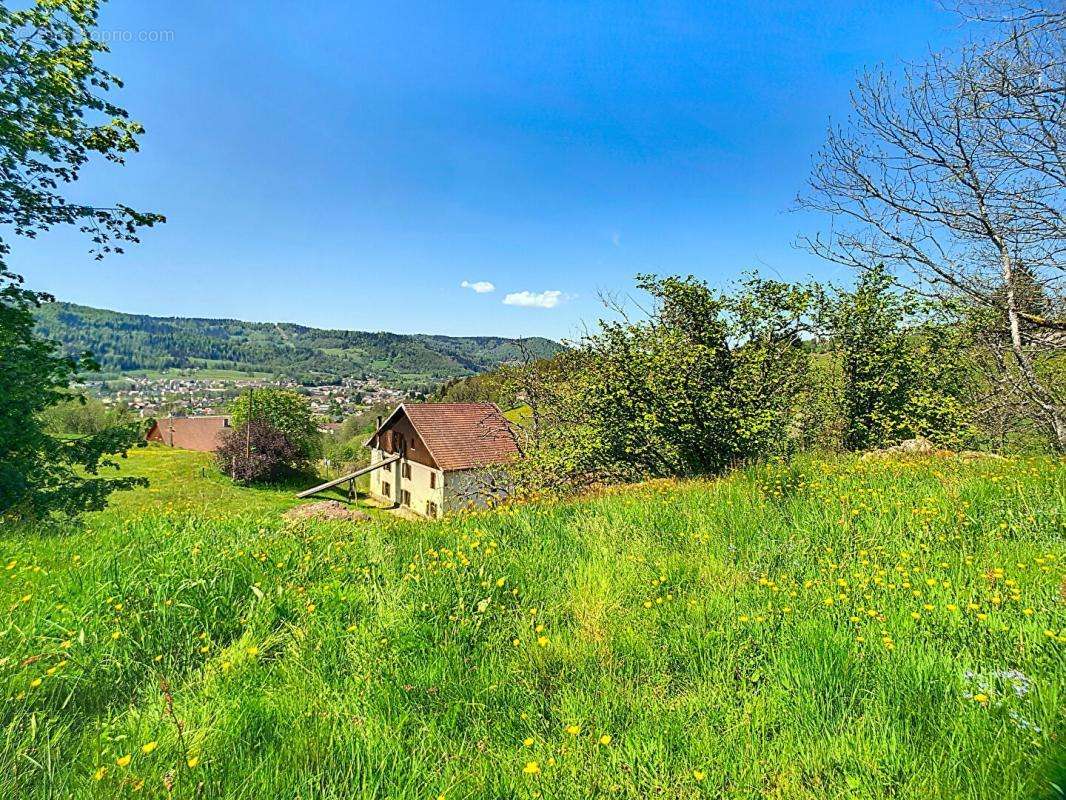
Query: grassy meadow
[[825, 629]]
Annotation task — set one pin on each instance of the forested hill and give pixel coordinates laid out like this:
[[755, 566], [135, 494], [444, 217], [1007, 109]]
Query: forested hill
[[124, 343]]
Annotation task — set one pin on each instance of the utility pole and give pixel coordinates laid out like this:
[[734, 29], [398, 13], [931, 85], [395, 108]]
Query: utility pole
[[248, 426]]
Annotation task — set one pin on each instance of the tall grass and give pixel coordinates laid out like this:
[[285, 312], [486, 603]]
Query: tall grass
[[828, 629]]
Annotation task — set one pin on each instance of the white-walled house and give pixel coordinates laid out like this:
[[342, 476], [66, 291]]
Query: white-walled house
[[447, 452]]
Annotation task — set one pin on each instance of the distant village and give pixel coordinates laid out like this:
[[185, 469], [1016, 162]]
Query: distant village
[[191, 396]]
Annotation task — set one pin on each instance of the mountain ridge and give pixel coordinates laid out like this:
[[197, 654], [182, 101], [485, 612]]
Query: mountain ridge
[[129, 343]]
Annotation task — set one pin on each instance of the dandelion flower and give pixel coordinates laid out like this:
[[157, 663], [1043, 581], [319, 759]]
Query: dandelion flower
[[148, 747], [528, 741], [980, 698], [573, 730], [99, 774], [35, 683], [124, 761], [699, 774], [193, 762], [253, 651], [605, 739], [531, 768]]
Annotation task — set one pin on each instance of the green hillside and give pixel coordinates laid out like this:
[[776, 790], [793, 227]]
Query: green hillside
[[829, 629], [125, 343]]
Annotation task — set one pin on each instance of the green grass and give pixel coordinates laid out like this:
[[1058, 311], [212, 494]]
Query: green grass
[[183, 482], [746, 638]]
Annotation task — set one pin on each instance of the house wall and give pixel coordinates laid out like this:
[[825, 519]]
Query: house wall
[[418, 485], [414, 448]]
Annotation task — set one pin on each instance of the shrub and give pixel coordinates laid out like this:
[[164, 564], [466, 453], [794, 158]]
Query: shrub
[[258, 452], [285, 411], [41, 473]]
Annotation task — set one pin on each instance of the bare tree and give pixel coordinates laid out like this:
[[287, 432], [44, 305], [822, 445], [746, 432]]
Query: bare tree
[[955, 173]]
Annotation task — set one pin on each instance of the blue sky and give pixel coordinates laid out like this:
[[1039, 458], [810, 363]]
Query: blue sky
[[351, 165]]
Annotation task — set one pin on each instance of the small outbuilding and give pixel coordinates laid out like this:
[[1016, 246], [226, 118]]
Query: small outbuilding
[[190, 433], [442, 456]]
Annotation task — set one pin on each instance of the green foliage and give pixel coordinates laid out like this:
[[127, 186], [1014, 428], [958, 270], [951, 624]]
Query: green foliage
[[706, 381], [80, 415], [42, 473], [903, 375], [287, 411], [54, 116], [133, 342], [685, 620]]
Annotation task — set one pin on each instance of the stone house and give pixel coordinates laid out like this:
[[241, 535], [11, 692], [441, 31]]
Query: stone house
[[446, 454]]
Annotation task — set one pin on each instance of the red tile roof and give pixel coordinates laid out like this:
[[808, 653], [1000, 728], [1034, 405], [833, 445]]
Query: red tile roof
[[190, 433], [460, 435]]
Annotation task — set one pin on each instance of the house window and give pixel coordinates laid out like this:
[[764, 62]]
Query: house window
[[433, 480], [406, 497], [431, 509], [386, 489], [387, 468], [407, 471]]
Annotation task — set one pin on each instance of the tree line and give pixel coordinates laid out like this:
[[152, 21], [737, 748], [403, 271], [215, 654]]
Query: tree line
[[703, 380]]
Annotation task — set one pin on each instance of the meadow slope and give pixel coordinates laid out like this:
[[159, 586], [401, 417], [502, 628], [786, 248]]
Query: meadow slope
[[828, 629]]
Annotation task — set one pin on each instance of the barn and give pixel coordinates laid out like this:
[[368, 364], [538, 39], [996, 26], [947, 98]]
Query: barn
[[441, 456], [190, 433]]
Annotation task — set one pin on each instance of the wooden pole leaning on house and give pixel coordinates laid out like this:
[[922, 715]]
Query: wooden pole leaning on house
[[349, 478]]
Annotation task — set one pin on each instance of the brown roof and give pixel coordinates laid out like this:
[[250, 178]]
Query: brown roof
[[190, 433], [459, 435]]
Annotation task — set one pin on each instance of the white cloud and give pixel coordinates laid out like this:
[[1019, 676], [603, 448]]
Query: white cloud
[[548, 299], [481, 287]]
